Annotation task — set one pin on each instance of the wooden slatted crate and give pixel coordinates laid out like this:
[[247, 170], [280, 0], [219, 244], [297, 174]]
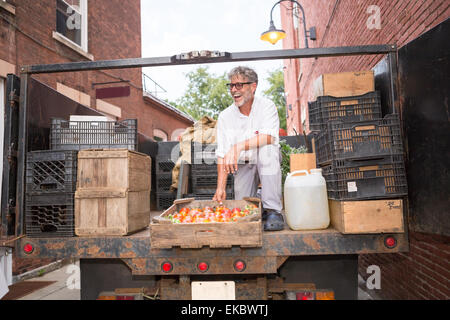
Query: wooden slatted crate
[[372, 216], [344, 84], [246, 232], [113, 192]]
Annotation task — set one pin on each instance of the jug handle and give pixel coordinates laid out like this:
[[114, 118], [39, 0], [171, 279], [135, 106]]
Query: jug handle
[[297, 171]]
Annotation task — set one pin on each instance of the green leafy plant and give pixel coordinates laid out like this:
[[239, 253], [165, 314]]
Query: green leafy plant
[[286, 151]]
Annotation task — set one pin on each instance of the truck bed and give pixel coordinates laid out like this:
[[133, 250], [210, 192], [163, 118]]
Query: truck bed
[[286, 242]]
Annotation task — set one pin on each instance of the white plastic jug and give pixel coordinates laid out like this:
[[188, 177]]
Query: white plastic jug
[[306, 200]]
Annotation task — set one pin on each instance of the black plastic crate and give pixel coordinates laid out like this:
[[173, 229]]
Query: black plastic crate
[[51, 171], [349, 109], [203, 169], [49, 215], [202, 153], [164, 164], [371, 181], [373, 139], [208, 181], [168, 147], [163, 182], [165, 199], [79, 135]]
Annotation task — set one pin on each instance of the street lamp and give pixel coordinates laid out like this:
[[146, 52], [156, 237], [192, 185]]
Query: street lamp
[[273, 34]]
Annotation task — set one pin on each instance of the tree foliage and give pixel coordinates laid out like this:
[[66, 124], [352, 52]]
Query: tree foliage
[[206, 95], [275, 92]]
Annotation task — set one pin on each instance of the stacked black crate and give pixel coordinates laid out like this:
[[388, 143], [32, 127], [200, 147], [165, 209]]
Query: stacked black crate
[[360, 153], [79, 135], [164, 164], [51, 174], [49, 194], [204, 172]]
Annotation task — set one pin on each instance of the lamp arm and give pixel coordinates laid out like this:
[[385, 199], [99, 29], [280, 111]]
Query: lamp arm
[[271, 11], [304, 22], [303, 14]]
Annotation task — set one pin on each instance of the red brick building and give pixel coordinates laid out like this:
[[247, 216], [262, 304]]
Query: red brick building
[[423, 272], [57, 31], [32, 33]]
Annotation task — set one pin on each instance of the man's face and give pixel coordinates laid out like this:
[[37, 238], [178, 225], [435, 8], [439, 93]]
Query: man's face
[[244, 95]]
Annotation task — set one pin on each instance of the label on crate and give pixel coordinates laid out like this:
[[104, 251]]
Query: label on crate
[[351, 186]]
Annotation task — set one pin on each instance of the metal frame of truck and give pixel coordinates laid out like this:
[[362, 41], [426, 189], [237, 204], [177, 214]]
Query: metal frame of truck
[[136, 250]]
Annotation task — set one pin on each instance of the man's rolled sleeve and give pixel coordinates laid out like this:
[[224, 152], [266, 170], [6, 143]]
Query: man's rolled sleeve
[[270, 124]]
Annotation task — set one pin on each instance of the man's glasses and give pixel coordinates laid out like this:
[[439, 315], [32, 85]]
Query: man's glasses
[[237, 85]]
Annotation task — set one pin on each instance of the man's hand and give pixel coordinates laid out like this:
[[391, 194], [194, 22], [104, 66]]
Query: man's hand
[[220, 195], [231, 158]]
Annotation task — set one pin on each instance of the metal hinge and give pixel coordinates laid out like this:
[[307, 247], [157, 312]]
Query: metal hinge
[[201, 54], [12, 153], [13, 97]]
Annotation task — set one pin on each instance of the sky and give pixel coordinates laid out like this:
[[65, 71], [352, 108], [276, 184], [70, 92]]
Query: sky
[[178, 26]]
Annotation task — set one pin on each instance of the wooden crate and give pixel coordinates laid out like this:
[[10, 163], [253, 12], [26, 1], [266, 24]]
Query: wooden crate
[[344, 84], [372, 216], [114, 168], [113, 192], [245, 233]]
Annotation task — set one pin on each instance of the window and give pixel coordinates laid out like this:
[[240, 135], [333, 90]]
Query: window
[[71, 21], [159, 135]]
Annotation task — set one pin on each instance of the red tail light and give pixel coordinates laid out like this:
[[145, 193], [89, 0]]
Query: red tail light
[[28, 248], [202, 267], [390, 242], [125, 298], [166, 266], [307, 295], [239, 265]]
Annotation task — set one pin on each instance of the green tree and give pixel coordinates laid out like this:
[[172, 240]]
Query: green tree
[[275, 92], [206, 94]]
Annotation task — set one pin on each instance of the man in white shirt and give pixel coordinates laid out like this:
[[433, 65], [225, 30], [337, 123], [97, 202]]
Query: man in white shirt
[[247, 146]]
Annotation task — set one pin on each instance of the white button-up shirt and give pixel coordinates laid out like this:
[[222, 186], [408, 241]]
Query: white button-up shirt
[[234, 127]]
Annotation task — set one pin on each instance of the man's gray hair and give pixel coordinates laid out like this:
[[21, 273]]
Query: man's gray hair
[[246, 72]]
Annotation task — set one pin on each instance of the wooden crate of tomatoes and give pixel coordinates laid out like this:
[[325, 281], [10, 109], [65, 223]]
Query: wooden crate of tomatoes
[[191, 223]]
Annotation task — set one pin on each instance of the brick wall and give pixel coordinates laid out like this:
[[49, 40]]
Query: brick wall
[[423, 272], [22, 265], [114, 32], [344, 23]]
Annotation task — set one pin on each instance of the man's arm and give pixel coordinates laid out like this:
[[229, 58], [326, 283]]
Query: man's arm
[[221, 192], [231, 158]]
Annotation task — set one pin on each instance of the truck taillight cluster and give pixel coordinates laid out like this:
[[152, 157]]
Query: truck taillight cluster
[[203, 266], [319, 294]]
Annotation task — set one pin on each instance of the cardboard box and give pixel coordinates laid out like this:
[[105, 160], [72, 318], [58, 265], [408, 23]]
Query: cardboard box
[[302, 161]]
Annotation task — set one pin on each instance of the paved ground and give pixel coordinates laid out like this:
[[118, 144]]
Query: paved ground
[[62, 289], [65, 287]]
